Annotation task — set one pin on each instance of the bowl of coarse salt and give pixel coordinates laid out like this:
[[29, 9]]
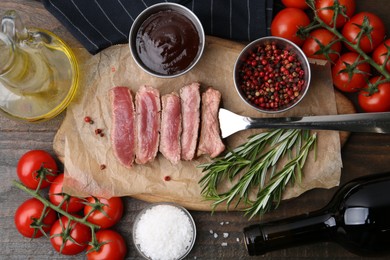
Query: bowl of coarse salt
[[164, 231]]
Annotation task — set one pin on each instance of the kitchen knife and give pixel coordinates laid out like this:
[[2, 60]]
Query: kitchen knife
[[231, 123]]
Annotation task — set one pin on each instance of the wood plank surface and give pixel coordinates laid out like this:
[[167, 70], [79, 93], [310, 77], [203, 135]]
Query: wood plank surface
[[363, 154]]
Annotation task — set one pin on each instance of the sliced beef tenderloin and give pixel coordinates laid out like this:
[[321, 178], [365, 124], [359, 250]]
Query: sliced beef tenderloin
[[123, 125], [171, 127], [190, 105], [210, 141], [148, 107]]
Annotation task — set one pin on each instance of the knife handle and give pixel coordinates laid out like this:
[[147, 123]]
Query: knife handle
[[361, 122]]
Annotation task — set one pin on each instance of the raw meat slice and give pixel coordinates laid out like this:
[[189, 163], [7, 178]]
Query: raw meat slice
[[210, 141], [123, 125], [190, 103], [148, 106], [171, 127]]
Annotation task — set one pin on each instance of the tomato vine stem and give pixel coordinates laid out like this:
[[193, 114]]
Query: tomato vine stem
[[337, 9], [58, 209]]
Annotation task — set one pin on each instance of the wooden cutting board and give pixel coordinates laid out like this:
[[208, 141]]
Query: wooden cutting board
[[344, 106]]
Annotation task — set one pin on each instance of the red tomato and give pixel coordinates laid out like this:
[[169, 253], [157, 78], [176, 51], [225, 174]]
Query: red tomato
[[325, 13], [56, 196], [377, 33], [114, 246], [27, 215], [380, 53], [108, 213], [378, 101], [287, 22], [79, 233], [324, 37], [355, 80], [33, 165], [301, 4]]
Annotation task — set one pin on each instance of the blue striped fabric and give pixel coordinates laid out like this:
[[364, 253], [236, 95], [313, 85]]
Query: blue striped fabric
[[98, 24]]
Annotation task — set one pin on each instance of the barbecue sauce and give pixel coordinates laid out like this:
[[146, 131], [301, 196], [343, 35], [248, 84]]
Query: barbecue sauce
[[168, 42]]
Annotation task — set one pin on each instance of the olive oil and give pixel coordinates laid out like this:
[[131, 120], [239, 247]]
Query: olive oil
[[38, 72], [42, 80]]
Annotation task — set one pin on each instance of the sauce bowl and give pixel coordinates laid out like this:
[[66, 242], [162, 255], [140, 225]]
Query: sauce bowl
[[166, 40]]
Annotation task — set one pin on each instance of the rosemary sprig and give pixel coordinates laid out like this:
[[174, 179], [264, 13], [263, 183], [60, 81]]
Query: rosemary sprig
[[274, 189], [251, 167]]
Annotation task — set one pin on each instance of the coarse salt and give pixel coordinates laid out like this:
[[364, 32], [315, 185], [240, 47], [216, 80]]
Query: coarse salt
[[164, 232]]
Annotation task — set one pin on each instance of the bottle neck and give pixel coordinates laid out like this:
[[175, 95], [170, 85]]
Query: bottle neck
[[313, 227]]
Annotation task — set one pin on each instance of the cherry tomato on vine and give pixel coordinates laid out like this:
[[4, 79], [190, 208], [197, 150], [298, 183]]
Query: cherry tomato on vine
[[27, 216], [79, 233], [32, 165], [287, 22], [324, 37], [113, 247], [325, 12], [375, 26], [107, 214], [56, 196], [356, 79], [301, 4], [378, 101], [379, 54]]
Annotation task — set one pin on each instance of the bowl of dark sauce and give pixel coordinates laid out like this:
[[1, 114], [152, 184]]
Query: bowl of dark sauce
[[166, 40]]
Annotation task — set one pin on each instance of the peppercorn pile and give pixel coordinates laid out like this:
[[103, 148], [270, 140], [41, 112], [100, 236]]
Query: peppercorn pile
[[271, 77]]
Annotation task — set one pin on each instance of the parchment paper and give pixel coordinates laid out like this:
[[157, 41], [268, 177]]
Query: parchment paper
[[85, 152]]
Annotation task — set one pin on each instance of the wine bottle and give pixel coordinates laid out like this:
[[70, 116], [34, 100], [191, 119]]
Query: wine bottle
[[357, 217]]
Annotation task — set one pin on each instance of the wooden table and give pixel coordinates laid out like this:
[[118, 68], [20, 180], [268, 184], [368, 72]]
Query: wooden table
[[362, 155]]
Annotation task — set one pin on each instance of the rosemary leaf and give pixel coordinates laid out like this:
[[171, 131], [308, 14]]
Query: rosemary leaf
[[251, 169], [277, 184]]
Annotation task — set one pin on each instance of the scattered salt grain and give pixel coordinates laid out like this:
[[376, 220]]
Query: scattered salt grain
[[211, 231], [224, 244], [215, 235], [237, 239], [221, 223], [225, 235], [164, 232]]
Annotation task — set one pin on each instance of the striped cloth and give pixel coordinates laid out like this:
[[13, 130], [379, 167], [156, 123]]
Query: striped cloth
[[98, 24]]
